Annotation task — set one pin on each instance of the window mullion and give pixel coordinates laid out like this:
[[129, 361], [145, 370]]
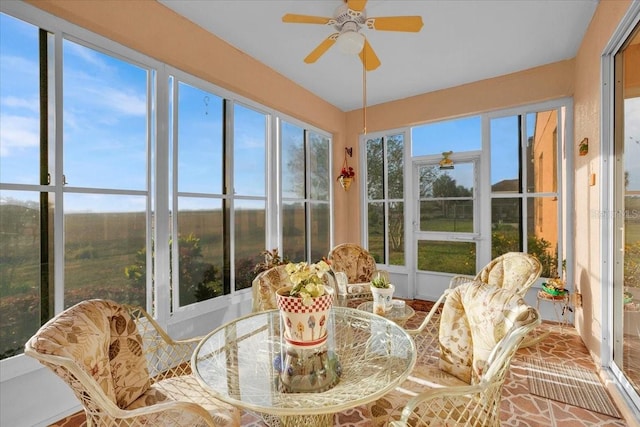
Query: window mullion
[[57, 176], [164, 181]]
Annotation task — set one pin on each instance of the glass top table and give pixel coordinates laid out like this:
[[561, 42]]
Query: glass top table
[[236, 362]]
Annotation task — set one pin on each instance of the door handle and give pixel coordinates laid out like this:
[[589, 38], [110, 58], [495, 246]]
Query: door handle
[[467, 239]]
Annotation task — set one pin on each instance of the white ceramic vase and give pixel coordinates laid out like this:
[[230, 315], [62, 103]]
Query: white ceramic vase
[[382, 299]]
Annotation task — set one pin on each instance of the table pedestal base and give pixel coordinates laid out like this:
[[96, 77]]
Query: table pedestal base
[[324, 420], [307, 370]]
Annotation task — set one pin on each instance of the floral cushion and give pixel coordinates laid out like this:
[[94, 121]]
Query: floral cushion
[[475, 317], [128, 365], [114, 359], [514, 270], [455, 341]]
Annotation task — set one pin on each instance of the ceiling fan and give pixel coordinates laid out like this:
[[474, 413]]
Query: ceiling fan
[[348, 19]]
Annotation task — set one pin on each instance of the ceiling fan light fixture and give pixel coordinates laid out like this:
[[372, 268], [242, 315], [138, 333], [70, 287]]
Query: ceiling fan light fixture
[[350, 42]]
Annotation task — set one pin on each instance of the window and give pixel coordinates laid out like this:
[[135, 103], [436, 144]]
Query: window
[[447, 197], [75, 208], [516, 158], [210, 198], [84, 190], [385, 198], [525, 187], [106, 145], [250, 139], [462, 134], [306, 214], [199, 223], [23, 207], [625, 304]]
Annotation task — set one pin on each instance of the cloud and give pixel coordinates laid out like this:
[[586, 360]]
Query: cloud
[[18, 132], [18, 66], [86, 54], [31, 105], [98, 98], [125, 103]]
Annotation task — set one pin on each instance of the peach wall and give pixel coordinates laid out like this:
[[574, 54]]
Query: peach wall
[[587, 120]]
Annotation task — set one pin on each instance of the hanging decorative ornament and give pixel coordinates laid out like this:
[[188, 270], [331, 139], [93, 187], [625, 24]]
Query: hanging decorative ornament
[[347, 173], [446, 162]]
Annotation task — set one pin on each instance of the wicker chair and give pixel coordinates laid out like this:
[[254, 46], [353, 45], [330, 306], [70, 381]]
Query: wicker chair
[[359, 267], [481, 328], [125, 370], [264, 287], [515, 271]]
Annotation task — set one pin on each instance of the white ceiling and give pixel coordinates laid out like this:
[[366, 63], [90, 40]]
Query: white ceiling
[[462, 41]]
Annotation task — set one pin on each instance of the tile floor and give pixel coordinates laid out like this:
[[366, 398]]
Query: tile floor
[[519, 408]]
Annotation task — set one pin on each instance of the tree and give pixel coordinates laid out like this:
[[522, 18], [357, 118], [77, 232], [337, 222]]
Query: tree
[[197, 280]]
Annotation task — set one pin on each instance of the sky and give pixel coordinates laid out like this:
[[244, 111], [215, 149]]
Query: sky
[[105, 128]]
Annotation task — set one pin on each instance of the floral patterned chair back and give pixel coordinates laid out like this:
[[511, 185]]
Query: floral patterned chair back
[[353, 260], [265, 285], [354, 267], [517, 271], [514, 270], [96, 347]]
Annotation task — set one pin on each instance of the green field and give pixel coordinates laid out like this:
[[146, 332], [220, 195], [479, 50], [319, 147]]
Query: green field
[[105, 258]]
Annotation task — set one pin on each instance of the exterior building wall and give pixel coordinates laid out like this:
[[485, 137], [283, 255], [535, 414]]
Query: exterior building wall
[[544, 161]]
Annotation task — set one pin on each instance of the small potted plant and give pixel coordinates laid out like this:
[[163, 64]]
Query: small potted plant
[[554, 287], [271, 259], [382, 292], [380, 282]]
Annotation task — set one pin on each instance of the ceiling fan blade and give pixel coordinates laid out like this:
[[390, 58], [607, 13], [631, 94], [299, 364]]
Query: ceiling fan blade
[[411, 24], [292, 18], [357, 5], [321, 49], [369, 57]]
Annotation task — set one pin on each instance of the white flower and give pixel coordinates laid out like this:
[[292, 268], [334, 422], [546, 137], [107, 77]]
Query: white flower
[[307, 280]]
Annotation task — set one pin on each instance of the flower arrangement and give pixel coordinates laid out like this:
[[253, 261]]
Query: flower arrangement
[[307, 280], [346, 172]]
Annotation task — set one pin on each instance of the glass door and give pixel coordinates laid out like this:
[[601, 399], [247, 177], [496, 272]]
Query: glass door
[[446, 222], [626, 274]]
